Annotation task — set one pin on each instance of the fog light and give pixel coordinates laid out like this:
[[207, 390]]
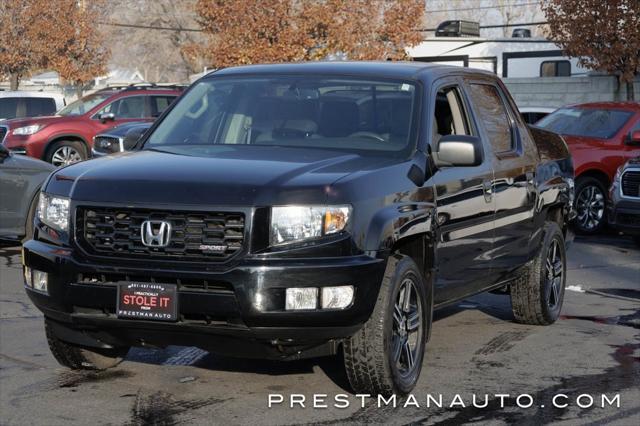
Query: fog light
[[337, 297], [28, 280], [301, 298], [40, 280]]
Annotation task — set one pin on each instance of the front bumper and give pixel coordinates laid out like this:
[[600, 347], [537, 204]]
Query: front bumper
[[30, 145], [625, 216], [243, 315]]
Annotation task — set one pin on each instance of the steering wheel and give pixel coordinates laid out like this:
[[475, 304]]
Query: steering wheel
[[370, 135]]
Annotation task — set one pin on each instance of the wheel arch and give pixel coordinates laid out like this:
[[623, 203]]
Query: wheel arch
[[596, 173], [421, 249], [73, 137]]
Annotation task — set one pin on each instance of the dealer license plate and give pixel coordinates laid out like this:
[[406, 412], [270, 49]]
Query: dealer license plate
[[148, 301]]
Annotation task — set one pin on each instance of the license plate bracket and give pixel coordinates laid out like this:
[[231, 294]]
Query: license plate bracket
[[147, 301]]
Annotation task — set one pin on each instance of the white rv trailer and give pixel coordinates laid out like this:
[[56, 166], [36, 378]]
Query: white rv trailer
[[507, 57]]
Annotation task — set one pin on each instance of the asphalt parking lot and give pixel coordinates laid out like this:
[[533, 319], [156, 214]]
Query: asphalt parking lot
[[475, 348]]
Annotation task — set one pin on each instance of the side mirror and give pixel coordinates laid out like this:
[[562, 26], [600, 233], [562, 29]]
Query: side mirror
[[107, 116], [4, 152], [634, 138], [458, 151]]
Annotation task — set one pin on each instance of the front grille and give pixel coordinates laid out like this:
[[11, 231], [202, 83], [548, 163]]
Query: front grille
[[106, 144], [195, 236], [3, 133], [182, 283], [631, 183]]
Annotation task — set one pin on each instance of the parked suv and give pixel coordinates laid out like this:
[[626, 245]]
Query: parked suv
[[67, 137], [297, 210], [624, 196], [602, 137]]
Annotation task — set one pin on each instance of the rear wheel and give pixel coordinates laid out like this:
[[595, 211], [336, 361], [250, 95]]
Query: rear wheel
[[590, 205], [80, 357], [385, 356], [63, 153], [538, 293]]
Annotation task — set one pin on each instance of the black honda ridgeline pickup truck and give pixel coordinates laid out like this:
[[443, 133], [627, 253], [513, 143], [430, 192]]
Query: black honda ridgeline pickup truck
[[298, 210]]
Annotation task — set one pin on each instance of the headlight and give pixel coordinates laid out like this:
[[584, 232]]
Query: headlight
[[27, 130], [54, 211], [296, 223]]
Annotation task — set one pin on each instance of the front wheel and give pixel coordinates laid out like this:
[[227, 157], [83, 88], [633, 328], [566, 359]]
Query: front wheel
[[590, 206], [385, 356], [64, 153]]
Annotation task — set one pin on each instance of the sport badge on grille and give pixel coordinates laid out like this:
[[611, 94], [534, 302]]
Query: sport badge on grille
[[155, 233]]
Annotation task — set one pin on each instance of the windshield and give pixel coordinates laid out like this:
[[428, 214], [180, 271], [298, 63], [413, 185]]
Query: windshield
[[294, 111], [595, 123], [83, 105]]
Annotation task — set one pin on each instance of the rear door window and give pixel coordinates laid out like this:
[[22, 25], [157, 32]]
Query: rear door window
[[493, 114], [40, 106]]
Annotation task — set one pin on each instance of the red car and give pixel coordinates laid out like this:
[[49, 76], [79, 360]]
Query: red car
[[601, 137], [67, 137]]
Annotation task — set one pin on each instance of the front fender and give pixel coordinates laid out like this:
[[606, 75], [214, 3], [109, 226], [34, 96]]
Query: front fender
[[398, 221]]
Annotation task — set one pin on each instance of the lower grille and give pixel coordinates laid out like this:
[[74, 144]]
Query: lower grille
[[628, 219], [631, 183], [193, 236], [182, 283]]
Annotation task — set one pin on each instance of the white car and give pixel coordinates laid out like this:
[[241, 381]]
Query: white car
[[20, 104]]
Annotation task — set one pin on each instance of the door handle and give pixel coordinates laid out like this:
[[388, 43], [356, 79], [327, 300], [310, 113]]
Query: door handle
[[487, 187]]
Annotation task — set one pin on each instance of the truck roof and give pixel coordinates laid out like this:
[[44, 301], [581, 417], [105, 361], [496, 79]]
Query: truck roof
[[385, 69]]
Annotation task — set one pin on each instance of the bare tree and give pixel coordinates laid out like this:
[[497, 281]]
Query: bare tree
[[27, 37], [603, 35], [157, 54], [251, 31]]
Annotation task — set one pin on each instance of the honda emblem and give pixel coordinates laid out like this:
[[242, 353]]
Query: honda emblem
[[155, 233]]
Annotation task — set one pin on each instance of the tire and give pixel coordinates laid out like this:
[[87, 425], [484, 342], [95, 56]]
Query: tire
[[370, 362], [537, 294], [590, 204], [28, 226], [63, 153], [82, 358]]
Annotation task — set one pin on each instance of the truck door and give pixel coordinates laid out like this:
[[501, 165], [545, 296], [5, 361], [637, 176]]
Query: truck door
[[514, 158], [465, 205]]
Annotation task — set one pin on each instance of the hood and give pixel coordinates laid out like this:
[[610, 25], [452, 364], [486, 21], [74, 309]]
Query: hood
[[14, 123], [26, 163], [225, 176], [123, 129], [635, 162]]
